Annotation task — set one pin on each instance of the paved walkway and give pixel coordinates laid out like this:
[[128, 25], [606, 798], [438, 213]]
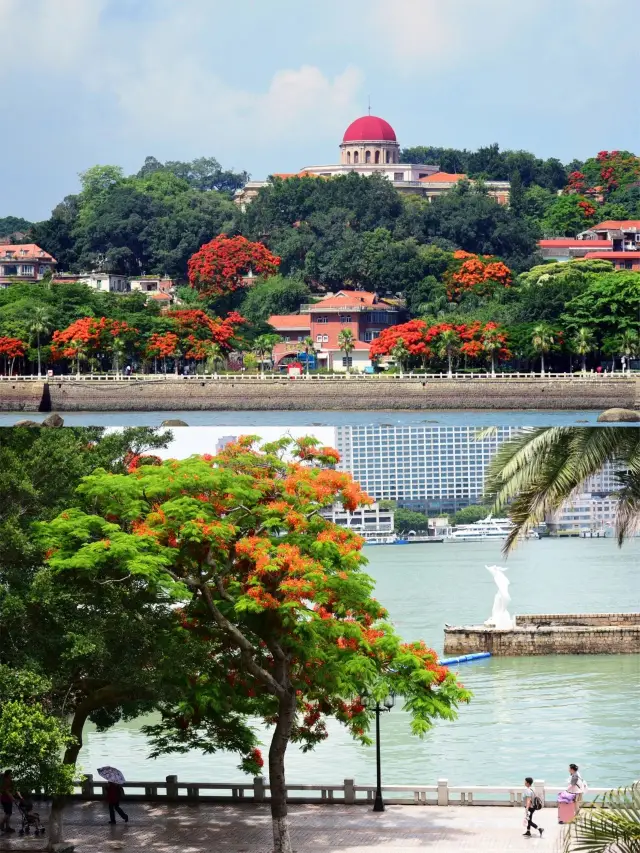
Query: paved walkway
[[330, 829]]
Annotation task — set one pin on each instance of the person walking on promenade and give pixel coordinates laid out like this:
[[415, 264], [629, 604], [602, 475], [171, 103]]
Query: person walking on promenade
[[532, 803], [114, 795]]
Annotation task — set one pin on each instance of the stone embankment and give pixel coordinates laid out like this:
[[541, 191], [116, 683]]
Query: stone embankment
[[551, 634], [386, 393]]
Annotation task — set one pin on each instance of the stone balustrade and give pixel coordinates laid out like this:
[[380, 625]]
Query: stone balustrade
[[349, 793]]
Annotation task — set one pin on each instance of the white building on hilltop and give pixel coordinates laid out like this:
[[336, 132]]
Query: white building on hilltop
[[370, 147]]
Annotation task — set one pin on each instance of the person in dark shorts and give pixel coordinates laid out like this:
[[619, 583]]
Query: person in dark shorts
[[531, 804], [114, 794], [7, 796]]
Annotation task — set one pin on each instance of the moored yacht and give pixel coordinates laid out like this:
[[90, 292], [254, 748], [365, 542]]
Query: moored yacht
[[486, 529]]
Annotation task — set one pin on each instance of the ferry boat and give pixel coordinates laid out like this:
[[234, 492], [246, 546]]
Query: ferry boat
[[485, 530]]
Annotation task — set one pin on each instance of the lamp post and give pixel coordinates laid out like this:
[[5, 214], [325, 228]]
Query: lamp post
[[373, 704]]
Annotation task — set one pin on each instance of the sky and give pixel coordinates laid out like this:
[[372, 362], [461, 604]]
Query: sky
[[271, 85], [188, 441]]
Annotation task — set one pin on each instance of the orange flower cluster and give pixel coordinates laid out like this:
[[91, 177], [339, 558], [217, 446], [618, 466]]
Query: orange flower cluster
[[89, 335], [476, 274], [218, 267], [12, 347], [422, 341]]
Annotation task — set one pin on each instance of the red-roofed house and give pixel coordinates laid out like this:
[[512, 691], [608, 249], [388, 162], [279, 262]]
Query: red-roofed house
[[569, 248], [623, 233], [362, 312], [24, 262], [441, 182], [620, 260]]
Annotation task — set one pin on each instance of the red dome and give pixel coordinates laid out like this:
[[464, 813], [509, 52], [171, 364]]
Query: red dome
[[369, 129]]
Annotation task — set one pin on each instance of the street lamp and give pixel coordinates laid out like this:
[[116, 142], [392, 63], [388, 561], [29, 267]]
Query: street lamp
[[371, 703]]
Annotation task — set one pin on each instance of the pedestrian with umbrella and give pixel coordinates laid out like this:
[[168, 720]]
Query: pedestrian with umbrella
[[115, 781]]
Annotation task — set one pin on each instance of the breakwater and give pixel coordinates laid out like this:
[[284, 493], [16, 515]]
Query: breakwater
[[321, 393], [550, 634]]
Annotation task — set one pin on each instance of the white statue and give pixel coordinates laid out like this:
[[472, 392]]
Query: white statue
[[500, 617]]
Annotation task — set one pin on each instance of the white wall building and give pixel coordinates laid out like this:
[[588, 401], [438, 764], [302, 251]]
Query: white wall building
[[585, 513], [105, 282], [364, 520], [432, 469]]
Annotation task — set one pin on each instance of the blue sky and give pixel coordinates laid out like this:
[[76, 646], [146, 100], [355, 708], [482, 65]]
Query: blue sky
[[270, 85]]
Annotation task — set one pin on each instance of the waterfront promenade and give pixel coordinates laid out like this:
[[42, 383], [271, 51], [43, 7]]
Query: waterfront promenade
[[159, 828], [338, 392]]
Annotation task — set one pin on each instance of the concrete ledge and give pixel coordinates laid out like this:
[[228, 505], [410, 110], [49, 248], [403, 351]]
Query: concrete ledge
[[22, 396], [566, 636], [338, 395]]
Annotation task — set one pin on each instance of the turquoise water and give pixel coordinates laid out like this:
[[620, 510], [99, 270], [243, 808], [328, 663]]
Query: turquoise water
[[528, 715], [253, 419]]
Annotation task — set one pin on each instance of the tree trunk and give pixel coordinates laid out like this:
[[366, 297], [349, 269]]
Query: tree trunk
[[56, 827], [584, 362], [450, 360], [493, 364], [542, 363], [277, 750], [39, 360]]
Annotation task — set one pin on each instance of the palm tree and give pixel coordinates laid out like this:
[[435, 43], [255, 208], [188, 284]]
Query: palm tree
[[582, 344], [400, 354], [534, 473], [263, 346], [347, 343], [308, 348], [611, 823], [542, 339], [629, 345], [448, 346], [119, 348], [39, 324], [492, 343]]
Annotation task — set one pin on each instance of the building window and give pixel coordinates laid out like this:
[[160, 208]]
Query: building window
[[42, 270], [27, 269], [388, 160], [10, 270], [325, 339], [355, 156], [377, 156], [371, 335], [318, 339], [628, 265], [398, 176], [379, 317], [322, 320], [367, 157], [348, 156], [347, 361], [345, 318], [286, 338]]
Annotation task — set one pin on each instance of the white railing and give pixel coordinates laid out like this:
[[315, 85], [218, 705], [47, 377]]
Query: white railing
[[257, 791], [327, 377]]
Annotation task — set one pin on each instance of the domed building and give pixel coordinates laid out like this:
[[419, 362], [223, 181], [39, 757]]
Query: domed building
[[370, 146]]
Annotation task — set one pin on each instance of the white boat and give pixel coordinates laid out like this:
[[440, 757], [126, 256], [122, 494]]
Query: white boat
[[373, 538], [485, 530]]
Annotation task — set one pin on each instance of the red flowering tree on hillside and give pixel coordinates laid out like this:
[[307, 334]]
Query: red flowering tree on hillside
[[90, 337], [275, 592], [606, 172], [217, 269], [479, 274], [163, 345], [10, 349], [203, 337]]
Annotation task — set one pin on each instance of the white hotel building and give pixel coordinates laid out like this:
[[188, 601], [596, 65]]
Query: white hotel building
[[433, 469]]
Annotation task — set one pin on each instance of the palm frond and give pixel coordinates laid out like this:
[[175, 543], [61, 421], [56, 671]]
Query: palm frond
[[611, 823]]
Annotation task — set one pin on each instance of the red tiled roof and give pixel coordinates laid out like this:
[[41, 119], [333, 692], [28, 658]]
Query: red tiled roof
[[290, 321], [442, 178], [345, 298], [565, 243], [34, 252], [616, 225], [613, 256], [159, 295]]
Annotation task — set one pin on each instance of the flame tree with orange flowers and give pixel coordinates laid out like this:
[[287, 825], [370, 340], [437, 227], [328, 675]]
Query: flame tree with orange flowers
[[277, 593], [89, 337], [10, 350], [218, 268]]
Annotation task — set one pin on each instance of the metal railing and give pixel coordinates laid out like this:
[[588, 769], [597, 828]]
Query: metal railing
[[328, 377], [257, 791]]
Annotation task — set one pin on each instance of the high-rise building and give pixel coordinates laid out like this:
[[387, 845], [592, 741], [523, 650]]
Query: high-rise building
[[223, 441], [434, 469]]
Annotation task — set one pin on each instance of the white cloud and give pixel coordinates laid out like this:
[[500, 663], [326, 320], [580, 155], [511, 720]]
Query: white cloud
[[159, 72]]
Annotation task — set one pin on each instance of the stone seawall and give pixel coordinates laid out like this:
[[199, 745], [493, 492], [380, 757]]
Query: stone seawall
[[340, 395], [573, 634], [23, 396]]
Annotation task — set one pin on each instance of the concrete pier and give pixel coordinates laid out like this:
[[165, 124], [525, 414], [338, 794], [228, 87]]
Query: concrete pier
[[550, 634]]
